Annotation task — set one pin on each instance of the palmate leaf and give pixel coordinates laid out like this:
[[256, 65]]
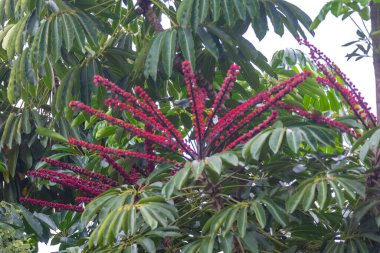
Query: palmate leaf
[[118, 212], [338, 184]]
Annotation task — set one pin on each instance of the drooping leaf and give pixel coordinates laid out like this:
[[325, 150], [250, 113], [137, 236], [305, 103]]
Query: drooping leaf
[[151, 65], [186, 43], [168, 51]]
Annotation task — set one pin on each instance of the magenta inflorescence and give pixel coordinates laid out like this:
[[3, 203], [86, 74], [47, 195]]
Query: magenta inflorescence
[[351, 94]]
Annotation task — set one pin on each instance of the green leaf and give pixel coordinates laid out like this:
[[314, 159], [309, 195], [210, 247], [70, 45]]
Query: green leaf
[[294, 138], [67, 32], [7, 131], [260, 23], [195, 15], [203, 10], [276, 138], [227, 243], [322, 194], [259, 213], [336, 7], [207, 245], [308, 197], [186, 43], [34, 224], [191, 247], [56, 38], [374, 140], [215, 10], [197, 168], [51, 134], [151, 199], [46, 219], [4, 172], [256, 145], [42, 43], [364, 208], [228, 12], [12, 155], [168, 51], [229, 158], [338, 194], [209, 42], [242, 221], [251, 242], [253, 8], [216, 221], [240, 7], [89, 26], [184, 13], [151, 64], [168, 188], [295, 199], [147, 244], [362, 247], [79, 34], [229, 221], [275, 18], [182, 175], [277, 213], [214, 163], [148, 217], [105, 132], [364, 151], [352, 186], [20, 38]]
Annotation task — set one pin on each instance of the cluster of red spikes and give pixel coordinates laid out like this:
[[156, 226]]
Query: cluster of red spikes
[[212, 134], [350, 93]]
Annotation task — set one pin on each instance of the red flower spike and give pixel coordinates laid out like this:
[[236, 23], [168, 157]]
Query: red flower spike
[[149, 109], [153, 122], [149, 149], [319, 119], [223, 93], [83, 199], [245, 137], [87, 186], [130, 177], [230, 128], [118, 152], [196, 109], [353, 97], [93, 175], [58, 206], [160, 140]]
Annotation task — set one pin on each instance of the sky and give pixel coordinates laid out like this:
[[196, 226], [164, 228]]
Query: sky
[[329, 37]]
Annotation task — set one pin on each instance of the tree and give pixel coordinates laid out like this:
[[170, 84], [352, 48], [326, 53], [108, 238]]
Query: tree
[[52, 49], [249, 187]]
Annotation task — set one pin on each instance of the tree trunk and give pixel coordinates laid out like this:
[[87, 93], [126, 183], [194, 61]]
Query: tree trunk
[[375, 23]]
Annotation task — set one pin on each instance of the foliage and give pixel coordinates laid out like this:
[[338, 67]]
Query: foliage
[[295, 177], [268, 194], [50, 51], [14, 222]]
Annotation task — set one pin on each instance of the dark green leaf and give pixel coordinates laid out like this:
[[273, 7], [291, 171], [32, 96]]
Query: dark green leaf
[[186, 43]]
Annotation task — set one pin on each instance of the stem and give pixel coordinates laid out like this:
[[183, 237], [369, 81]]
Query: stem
[[375, 23]]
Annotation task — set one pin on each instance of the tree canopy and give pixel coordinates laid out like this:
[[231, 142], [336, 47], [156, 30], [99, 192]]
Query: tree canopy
[[190, 141]]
